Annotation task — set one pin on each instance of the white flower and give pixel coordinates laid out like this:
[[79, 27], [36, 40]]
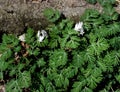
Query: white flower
[[22, 38], [79, 28], [41, 35]]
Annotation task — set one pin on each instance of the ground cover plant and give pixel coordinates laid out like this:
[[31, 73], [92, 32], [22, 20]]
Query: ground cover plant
[[65, 56]]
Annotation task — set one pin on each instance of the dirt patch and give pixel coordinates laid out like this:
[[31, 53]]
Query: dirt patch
[[16, 15]]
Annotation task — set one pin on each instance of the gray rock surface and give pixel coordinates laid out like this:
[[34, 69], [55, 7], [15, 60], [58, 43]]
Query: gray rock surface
[[16, 15]]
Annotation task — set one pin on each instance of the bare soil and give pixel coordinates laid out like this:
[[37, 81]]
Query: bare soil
[[16, 15]]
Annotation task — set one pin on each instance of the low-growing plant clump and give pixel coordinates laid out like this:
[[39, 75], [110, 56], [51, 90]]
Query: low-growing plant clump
[[65, 57]]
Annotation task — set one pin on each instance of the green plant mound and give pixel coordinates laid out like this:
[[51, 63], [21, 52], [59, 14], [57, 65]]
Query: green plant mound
[[102, 2], [65, 61]]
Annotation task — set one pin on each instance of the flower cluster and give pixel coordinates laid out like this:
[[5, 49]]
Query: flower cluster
[[79, 28], [22, 37], [41, 34]]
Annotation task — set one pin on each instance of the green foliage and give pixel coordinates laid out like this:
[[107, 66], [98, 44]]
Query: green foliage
[[52, 15], [102, 2], [58, 58], [23, 81], [92, 1], [65, 61], [63, 34]]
